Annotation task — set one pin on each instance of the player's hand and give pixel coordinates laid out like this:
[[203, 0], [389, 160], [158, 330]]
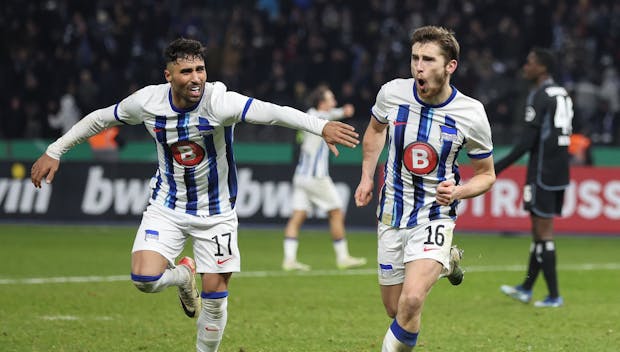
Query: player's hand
[[446, 192], [336, 132], [363, 193], [45, 166]]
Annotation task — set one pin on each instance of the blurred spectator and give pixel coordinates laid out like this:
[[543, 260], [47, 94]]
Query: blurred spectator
[[68, 112], [266, 48]]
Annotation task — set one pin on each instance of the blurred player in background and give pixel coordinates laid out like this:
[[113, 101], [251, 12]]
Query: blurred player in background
[[195, 186], [548, 126], [313, 186], [427, 122]]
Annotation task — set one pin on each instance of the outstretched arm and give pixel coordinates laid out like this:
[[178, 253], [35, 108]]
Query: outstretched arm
[[333, 132], [374, 141], [47, 165], [483, 179]]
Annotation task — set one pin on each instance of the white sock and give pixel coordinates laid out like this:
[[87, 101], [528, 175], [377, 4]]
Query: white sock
[[170, 277], [392, 344], [341, 248], [211, 322], [290, 248]]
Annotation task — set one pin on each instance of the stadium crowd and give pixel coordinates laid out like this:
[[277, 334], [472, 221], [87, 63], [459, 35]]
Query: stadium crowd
[[64, 57]]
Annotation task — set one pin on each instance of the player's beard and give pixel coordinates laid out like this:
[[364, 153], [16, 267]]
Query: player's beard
[[433, 88]]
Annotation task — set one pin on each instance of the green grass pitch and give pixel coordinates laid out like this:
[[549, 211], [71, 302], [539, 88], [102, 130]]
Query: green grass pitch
[[68, 289]]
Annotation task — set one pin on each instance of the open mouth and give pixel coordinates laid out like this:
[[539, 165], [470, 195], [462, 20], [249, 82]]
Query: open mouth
[[194, 91], [421, 83]]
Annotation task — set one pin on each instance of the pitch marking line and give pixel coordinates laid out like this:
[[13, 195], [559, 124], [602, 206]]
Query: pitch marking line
[[468, 269]]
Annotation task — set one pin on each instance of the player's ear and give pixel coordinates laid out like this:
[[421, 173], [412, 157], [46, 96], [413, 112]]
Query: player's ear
[[451, 66], [168, 75]]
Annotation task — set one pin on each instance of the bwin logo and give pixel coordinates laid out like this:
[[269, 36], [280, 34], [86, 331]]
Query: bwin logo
[[19, 196]]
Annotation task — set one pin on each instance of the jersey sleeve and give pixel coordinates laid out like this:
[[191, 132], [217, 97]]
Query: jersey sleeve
[[536, 109], [232, 107], [479, 142], [130, 110], [381, 107]]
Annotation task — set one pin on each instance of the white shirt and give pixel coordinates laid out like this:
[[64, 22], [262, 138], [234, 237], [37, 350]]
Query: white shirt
[[196, 172], [314, 153], [424, 142]]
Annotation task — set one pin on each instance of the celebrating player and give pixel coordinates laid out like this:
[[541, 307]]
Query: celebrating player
[[194, 189], [427, 122]]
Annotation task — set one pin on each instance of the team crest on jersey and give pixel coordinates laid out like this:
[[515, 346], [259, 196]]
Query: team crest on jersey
[[448, 134], [204, 127], [187, 153], [420, 158], [530, 114]]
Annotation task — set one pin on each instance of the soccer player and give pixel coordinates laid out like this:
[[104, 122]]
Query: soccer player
[[195, 185], [427, 122], [548, 126], [313, 186]]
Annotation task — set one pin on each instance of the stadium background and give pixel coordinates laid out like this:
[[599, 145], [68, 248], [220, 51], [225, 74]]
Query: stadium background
[[62, 59]]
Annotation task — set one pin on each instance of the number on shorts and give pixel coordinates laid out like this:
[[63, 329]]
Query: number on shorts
[[219, 248], [439, 237]]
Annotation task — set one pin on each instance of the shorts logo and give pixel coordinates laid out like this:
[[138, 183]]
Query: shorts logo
[[420, 158], [426, 249], [151, 235], [222, 261]]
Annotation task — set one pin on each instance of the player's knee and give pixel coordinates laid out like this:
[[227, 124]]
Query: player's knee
[[147, 284], [413, 300]]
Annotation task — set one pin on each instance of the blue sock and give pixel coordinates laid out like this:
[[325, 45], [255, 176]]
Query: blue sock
[[404, 336]]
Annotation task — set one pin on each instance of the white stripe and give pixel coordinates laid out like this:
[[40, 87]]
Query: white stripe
[[279, 273]]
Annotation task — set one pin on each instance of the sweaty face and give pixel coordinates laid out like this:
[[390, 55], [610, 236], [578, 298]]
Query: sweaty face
[[187, 76], [431, 72]]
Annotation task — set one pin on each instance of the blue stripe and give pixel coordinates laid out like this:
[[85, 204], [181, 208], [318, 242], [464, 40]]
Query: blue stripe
[[151, 232], [157, 185], [385, 266], [160, 127], [145, 278], [424, 127], [232, 166], [402, 335], [446, 147], [399, 142], [480, 156], [116, 115], [212, 178], [189, 177], [245, 108], [214, 295], [189, 174]]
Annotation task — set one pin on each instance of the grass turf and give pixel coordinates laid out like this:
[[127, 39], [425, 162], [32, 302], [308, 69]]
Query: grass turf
[[323, 310]]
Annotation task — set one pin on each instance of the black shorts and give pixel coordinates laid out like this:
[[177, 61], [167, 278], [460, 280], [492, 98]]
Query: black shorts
[[541, 202]]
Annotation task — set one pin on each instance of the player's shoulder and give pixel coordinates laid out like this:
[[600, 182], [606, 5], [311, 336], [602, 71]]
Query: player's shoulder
[[398, 85], [466, 101]]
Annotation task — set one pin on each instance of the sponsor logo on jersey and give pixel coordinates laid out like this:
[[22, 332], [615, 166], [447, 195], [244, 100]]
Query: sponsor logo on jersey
[[187, 153], [420, 158]]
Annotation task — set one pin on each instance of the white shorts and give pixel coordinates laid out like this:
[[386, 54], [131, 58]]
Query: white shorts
[[318, 191], [396, 247], [165, 231]]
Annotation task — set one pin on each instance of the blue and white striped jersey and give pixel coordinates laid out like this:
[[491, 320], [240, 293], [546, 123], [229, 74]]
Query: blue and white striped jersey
[[197, 172], [314, 153], [423, 144]]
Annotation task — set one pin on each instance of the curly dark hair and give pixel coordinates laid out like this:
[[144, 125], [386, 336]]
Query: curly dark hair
[[182, 48]]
